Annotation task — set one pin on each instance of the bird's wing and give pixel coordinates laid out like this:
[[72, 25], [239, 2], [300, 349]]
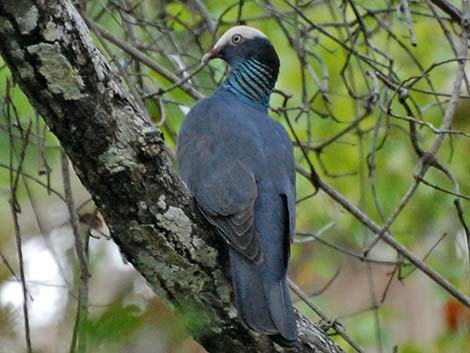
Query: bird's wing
[[216, 155], [285, 180], [226, 197], [290, 195]]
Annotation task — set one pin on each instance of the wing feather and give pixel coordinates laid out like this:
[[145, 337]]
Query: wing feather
[[226, 198]]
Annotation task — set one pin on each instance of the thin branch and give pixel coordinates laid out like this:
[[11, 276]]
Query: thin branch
[[385, 236], [14, 207], [143, 58], [327, 321], [358, 256], [449, 9], [82, 305]]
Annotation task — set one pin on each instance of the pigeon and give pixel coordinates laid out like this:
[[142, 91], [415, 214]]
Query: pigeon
[[239, 165]]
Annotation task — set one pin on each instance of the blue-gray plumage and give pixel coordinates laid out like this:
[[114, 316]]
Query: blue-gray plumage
[[239, 165]]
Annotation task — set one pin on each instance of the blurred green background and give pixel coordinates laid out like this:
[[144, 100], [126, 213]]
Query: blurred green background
[[414, 313]]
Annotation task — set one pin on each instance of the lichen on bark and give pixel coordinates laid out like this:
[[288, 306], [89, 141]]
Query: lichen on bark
[[25, 12], [61, 77]]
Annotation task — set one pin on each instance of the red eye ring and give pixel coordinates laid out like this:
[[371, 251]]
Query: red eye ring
[[236, 39]]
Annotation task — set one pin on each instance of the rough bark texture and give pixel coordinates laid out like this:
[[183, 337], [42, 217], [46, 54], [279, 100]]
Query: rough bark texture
[[121, 159]]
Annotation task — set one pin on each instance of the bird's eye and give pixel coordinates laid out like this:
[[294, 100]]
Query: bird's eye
[[236, 39]]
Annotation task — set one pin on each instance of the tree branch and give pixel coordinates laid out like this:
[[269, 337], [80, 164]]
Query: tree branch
[[121, 159], [449, 9]]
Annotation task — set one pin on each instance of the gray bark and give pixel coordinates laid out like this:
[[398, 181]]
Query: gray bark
[[120, 158]]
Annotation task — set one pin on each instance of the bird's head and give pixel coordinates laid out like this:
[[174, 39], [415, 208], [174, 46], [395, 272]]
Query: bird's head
[[242, 42]]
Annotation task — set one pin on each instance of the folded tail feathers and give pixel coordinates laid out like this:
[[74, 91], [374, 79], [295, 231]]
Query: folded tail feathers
[[263, 303]]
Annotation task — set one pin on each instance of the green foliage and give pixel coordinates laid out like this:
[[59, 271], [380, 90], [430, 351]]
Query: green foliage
[[115, 324]]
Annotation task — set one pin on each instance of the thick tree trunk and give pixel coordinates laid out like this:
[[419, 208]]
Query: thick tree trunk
[[120, 158]]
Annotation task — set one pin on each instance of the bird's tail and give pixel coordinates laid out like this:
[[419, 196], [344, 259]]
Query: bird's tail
[[262, 300]]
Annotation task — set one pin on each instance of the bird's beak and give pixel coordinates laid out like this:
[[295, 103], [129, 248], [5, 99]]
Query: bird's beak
[[210, 55]]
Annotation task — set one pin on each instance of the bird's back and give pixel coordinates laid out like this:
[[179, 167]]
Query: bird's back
[[224, 127]]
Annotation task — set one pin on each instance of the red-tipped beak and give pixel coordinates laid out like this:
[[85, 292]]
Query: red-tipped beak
[[210, 55]]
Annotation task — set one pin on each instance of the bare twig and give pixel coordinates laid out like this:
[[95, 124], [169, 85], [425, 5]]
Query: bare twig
[[386, 237], [82, 305], [15, 209], [327, 321], [143, 58]]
